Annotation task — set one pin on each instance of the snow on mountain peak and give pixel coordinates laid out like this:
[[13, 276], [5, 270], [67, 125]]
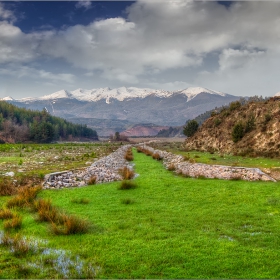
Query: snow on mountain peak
[[120, 94], [7, 98], [277, 94], [192, 92]]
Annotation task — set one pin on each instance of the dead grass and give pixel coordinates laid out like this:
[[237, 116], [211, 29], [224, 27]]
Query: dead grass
[[46, 212], [70, 225], [157, 156], [7, 187], [128, 155], [126, 173], [126, 185], [171, 167], [6, 214], [14, 223], [92, 180], [25, 197]]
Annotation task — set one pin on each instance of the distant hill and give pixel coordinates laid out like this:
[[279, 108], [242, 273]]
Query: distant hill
[[250, 129], [131, 105], [21, 125]]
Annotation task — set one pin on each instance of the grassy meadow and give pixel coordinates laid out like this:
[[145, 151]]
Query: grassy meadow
[[166, 227]]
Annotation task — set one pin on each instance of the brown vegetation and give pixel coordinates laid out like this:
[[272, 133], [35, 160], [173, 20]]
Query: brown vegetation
[[252, 129], [126, 173]]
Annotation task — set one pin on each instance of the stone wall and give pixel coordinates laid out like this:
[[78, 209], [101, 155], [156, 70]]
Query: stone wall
[[180, 166], [104, 170]]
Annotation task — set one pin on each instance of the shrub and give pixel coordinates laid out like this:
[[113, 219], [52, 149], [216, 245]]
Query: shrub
[[92, 180], [126, 185], [234, 105], [267, 118], [250, 124], [238, 132], [126, 173], [6, 214], [217, 122], [14, 223], [191, 128]]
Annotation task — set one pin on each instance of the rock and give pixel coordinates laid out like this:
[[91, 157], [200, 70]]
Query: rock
[[10, 174]]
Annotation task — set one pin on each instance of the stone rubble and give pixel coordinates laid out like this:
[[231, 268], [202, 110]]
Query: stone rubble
[[186, 168], [104, 170]]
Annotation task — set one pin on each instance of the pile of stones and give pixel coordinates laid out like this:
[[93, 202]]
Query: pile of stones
[[104, 170], [186, 168]]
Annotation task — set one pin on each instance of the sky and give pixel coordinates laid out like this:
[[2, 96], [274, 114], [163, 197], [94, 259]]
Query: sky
[[230, 46]]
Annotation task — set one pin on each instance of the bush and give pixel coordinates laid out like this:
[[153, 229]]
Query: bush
[[191, 128], [267, 118], [250, 124], [126, 185], [217, 122], [238, 132], [234, 105]]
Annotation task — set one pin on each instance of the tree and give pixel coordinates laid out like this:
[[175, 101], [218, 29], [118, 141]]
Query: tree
[[190, 128], [238, 132]]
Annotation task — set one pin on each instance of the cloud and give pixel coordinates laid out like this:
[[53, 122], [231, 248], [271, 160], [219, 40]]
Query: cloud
[[29, 72], [6, 14], [158, 37], [83, 4]]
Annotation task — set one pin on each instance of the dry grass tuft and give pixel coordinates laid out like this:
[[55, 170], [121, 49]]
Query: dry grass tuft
[[6, 214], [7, 187], [46, 212], [25, 197], [126, 173], [157, 156], [14, 223], [92, 180], [126, 185], [70, 225], [128, 155], [171, 167]]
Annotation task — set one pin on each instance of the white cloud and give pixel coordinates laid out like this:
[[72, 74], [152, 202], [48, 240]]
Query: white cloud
[[6, 14], [157, 37], [29, 72], [83, 4]]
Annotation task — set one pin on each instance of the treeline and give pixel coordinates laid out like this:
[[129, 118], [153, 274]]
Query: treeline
[[22, 125]]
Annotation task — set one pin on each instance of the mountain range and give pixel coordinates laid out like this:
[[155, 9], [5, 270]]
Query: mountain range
[[110, 110]]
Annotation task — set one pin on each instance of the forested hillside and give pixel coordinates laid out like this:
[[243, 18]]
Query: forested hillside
[[21, 125]]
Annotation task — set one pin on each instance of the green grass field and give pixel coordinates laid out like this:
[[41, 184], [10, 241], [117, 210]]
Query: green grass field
[[166, 227]]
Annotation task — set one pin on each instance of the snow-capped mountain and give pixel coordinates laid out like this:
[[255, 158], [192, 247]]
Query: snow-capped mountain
[[108, 110], [277, 94], [119, 94]]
